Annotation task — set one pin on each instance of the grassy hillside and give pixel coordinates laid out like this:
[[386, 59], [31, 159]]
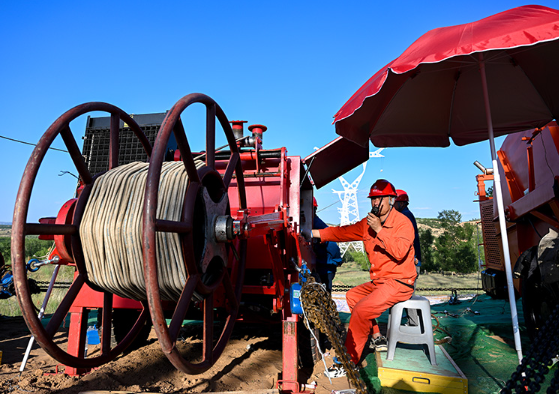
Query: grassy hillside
[[429, 222], [435, 224], [5, 230]]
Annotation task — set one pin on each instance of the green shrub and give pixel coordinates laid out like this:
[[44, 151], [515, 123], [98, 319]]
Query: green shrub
[[455, 249], [426, 240], [359, 258], [5, 248], [34, 247]]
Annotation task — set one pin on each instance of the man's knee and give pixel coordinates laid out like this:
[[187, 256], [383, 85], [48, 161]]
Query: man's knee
[[365, 311], [352, 298]]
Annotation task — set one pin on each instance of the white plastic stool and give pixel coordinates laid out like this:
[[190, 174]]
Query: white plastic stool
[[422, 334]]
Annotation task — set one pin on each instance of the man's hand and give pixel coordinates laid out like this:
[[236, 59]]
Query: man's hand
[[374, 222], [316, 234]]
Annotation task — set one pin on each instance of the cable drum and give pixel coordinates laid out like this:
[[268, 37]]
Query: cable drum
[[111, 231]]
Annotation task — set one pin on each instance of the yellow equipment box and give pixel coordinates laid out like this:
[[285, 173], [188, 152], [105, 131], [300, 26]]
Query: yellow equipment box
[[411, 370]]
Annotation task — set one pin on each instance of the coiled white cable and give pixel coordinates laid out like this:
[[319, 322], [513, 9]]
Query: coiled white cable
[[111, 230]]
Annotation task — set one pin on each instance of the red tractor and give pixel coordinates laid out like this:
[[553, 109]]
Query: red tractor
[[529, 162]]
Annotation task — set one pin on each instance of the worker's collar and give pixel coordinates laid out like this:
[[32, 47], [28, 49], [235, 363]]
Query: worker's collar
[[389, 221]]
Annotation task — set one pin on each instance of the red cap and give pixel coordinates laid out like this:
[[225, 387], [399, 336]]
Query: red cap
[[402, 196], [382, 188], [314, 203]]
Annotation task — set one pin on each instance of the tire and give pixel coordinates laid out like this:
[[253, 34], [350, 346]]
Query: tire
[[309, 354], [538, 302], [123, 320]]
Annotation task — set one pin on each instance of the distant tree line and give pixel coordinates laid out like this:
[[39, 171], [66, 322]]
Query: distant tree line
[[454, 250]]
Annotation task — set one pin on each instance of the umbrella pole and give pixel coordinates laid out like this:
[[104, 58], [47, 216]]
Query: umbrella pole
[[501, 211]]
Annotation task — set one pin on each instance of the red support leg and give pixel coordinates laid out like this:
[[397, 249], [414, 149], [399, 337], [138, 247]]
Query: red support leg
[[289, 382], [77, 337]]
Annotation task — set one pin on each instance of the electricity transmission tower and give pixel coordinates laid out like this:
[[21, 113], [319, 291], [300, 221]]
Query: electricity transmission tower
[[349, 212]]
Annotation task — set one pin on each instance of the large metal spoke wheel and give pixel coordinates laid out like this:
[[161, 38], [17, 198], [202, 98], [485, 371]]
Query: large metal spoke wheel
[[67, 232], [211, 267]]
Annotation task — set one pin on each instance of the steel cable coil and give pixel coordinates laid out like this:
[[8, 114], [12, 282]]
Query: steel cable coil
[[111, 231]]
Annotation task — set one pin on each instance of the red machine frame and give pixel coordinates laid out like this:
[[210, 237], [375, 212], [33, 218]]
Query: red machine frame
[[270, 199]]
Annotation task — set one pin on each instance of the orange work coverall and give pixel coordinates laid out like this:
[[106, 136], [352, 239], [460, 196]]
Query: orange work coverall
[[392, 273]]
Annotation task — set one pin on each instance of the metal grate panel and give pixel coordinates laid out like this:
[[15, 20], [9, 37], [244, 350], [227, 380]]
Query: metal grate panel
[[96, 141], [491, 243]]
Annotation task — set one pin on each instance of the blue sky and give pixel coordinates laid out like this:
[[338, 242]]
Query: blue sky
[[288, 65]]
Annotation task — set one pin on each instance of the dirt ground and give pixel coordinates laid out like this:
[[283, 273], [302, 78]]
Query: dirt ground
[[251, 361]]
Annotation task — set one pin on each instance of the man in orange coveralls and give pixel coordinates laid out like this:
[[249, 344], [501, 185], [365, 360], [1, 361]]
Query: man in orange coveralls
[[388, 239]]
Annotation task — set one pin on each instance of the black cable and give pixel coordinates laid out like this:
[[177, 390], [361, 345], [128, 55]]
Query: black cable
[[29, 143], [545, 156], [532, 224], [62, 173]]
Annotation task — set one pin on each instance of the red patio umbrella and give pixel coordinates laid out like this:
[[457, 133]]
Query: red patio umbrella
[[469, 82]]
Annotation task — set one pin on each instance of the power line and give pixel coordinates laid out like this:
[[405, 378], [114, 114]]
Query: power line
[[328, 206], [29, 143]]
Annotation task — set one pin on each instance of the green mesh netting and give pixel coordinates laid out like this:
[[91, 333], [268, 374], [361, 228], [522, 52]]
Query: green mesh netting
[[482, 344]]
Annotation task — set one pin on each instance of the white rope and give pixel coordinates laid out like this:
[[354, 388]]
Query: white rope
[[111, 231]]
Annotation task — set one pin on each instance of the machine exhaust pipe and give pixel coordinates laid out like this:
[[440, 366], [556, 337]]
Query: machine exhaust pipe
[[485, 171], [237, 126]]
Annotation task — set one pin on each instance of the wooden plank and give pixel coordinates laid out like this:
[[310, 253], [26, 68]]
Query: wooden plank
[[423, 378]]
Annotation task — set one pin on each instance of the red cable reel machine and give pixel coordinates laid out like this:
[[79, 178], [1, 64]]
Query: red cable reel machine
[[239, 232]]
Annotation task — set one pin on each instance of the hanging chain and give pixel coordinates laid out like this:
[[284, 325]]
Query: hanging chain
[[347, 287], [530, 374], [321, 310]]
